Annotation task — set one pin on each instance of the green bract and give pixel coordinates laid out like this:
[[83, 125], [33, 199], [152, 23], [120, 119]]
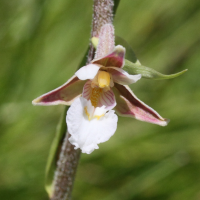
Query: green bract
[[146, 72]]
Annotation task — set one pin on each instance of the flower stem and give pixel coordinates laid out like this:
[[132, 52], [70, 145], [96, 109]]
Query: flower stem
[[69, 157], [102, 14], [66, 170]]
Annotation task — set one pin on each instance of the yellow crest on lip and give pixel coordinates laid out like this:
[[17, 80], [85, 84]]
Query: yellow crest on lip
[[86, 112], [91, 117], [95, 94], [103, 79]]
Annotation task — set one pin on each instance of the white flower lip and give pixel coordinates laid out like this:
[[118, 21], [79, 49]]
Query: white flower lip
[[87, 134]]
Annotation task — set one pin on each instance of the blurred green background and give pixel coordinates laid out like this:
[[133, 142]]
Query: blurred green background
[[41, 44]]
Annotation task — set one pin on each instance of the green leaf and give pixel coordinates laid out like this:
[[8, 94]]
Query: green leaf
[[130, 55], [146, 72], [54, 152]]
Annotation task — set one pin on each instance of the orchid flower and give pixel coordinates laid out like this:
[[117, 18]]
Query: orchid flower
[[94, 91]]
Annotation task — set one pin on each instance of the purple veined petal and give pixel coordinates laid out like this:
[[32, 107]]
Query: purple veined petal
[[107, 98], [114, 59], [65, 94], [122, 77], [130, 106], [101, 97], [87, 89]]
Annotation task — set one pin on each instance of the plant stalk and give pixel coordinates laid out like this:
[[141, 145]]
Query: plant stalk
[[69, 157]]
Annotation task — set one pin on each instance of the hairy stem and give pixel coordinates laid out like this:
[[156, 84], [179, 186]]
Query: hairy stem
[[102, 14], [69, 157], [66, 169]]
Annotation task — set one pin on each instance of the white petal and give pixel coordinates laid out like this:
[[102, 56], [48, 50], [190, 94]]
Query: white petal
[[99, 111], [87, 72], [89, 107], [86, 134], [122, 77]]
